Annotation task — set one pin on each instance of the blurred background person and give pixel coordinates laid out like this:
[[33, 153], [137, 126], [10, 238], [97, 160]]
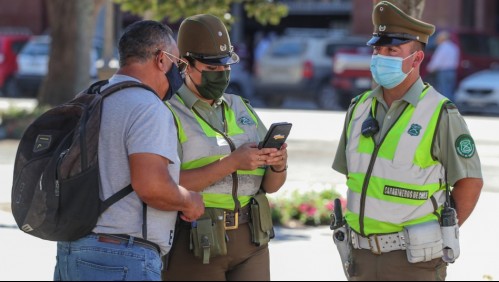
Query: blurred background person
[[443, 65]]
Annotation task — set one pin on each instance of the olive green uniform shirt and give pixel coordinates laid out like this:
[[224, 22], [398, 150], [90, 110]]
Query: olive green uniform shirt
[[213, 114], [451, 128]]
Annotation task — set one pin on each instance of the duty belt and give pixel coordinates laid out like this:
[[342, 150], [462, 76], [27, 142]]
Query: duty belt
[[233, 219], [378, 244]]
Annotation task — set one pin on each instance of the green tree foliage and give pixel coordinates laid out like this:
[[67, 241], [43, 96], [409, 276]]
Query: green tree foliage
[[264, 11]]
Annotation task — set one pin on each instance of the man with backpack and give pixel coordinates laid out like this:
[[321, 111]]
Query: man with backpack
[[137, 146]]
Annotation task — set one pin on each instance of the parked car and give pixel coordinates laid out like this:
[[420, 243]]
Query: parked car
[[351, 73], [33, 62], [479, 93], [351, 66], [300, 66], [33, 65], [11, 43], [241, 81], [478, 51]]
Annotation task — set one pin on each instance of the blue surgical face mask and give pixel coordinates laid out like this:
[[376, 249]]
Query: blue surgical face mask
[[387, 71]]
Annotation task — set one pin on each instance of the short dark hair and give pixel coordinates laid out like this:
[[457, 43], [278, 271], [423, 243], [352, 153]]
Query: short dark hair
[[418, 46], [143, 39]]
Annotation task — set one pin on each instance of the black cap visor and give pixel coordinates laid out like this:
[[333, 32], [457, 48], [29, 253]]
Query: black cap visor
[[387, 41], [228, 59]]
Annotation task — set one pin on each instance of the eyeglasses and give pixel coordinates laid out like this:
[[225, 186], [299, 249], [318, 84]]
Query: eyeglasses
[[181, 64]]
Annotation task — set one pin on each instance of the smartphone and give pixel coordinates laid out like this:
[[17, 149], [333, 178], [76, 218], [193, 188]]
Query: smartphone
[[276, 136]]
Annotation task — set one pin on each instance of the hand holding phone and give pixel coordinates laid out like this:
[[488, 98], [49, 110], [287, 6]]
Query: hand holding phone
[[276, 136]]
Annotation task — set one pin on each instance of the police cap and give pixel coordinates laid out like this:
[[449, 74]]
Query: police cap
[[394, 27], [205, 38]]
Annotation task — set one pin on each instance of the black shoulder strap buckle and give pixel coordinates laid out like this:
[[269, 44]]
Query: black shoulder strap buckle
[[96, 86]]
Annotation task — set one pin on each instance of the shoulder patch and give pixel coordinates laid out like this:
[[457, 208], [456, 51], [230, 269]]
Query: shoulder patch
[[465, 146]]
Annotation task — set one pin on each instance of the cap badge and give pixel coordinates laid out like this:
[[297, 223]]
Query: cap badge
[[381, 9], [382, 28], [223, 48], [220, 33]]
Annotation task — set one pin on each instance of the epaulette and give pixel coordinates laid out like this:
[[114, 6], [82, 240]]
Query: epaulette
[[355, 99], [450, 106]]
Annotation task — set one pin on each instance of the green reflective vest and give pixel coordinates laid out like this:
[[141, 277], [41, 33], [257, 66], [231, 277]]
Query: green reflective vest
[[396, 182], [203, 144]]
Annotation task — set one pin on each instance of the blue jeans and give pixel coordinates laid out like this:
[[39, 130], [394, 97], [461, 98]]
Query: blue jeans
[[446, 82], [89, 259]]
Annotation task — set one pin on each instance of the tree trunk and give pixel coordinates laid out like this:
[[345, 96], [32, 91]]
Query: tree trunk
[[72, 26], [414, 8]]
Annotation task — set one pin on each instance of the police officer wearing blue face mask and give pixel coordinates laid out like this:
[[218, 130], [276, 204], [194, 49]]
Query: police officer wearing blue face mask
[[218, 135], [404, 148]]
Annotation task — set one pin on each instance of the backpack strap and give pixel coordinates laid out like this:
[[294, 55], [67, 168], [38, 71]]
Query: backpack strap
[[116, 197], [123, 85], [95, 87]]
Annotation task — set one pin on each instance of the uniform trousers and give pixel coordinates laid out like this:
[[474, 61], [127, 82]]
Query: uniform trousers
[[244, 261], [394, 266]]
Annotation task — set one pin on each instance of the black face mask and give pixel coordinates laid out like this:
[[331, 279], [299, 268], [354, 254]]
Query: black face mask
[[175, 79]]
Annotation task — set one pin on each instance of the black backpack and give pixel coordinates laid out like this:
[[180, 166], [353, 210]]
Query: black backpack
[[55, 192]]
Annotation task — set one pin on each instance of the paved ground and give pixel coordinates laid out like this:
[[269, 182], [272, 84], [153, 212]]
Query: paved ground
[[296, 254]]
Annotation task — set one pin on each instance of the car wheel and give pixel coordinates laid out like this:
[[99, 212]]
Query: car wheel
[[327, 98], [10, 88]]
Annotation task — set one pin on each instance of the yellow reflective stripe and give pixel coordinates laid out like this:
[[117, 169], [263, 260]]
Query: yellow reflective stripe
[[372, 226], [250, 112], [258, 172], [361, 100], [208, 131], [423, 157], [355, 181], [182, 137], [366, 145], [200, 162], [232, 128], [230, 119], [224, 201], [377, 184], [391, 141], [210, 159]]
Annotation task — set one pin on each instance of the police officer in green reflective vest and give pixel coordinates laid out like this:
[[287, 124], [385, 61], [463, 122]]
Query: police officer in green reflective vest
[[409, 159], [218, 135]]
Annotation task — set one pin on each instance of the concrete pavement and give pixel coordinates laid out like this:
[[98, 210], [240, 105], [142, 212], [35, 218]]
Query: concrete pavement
[[296, 254]]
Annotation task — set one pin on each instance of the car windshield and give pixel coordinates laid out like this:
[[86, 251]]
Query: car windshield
[[36, 48], [288, 49]]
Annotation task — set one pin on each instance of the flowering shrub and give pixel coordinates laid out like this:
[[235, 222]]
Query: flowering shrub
[[309, 208], [14, 121]]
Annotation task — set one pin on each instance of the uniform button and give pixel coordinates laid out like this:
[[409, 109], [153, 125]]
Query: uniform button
[[389, 117]]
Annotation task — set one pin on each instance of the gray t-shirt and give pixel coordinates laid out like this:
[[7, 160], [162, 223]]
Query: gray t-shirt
[[135, 120]]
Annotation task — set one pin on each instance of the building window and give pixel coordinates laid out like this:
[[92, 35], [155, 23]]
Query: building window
[[468, 13]]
